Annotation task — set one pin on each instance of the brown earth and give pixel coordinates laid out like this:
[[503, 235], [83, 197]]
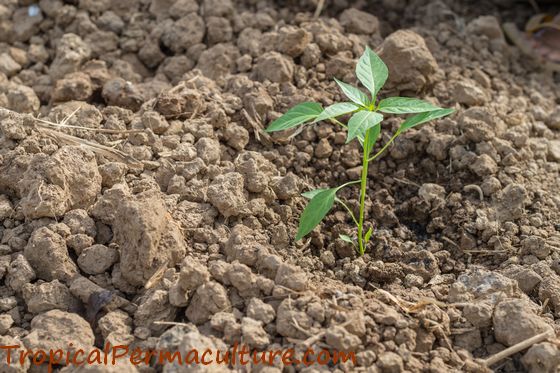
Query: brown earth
[[191, 218]]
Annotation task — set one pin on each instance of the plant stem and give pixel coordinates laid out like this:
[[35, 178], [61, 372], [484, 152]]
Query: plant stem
[[348, 209], [385, 146], [363, 187], [336, 121]]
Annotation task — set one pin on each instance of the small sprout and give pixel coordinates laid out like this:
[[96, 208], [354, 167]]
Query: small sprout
[[364, 125], [367, 237], [346, 238]]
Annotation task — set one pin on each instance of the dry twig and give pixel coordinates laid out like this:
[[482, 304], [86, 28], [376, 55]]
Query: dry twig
[[48, 128], [516, 348]]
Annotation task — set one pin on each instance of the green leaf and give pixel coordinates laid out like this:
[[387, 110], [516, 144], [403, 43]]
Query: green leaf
[[423, 118], [346, 238], [315, 211], [361, 122], [297, 115], [372, 71], [353, 93], [337, 110], [405, 105], [367, 237], [372, 138], [312, 193]]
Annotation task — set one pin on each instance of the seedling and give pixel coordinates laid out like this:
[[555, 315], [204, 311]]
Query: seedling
[[364, 125]]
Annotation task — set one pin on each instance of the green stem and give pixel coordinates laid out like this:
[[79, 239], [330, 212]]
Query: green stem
[[348, 209], [363, 186], [385, 146], [336, 121]]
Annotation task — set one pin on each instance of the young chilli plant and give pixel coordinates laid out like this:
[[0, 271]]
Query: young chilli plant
[[363, 125]]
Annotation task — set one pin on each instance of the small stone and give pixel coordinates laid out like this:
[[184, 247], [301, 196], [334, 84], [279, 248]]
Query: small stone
[[469, 340], [479, 283], [410, 62], [526, 278], [7, 303], [182, 8], [155, 306], [467, 92], [359, 22], [341, 340], [311, 56], [323, 149], [155, 121], [293, 40], [47, 253], [554, 150], [222, 320], [6, 322], [542, 357], [490, 185], [193, 274], [486, 25], [484, 165], [258, 310], [227, 194], [412, 280], [254, 334], [236, 136], [54, 184], [97, 259], [479, 314], [217, 8], [47, 296], [119, 92], [286, 313], [178, 296], [291, 277], [515, 320], [553, 121], [71, 52], [208, 150], [287, 187], [274, 67], [78, 242], [536, 246], [78, 221], [143, 231], [208, 299], [328, 259], [390, 362], [22, 99], [115, 322], [19, 273], [219, 30], [184, 33], [243, 279], [8, 66], [6, 209], [150, 54], [432, 194], [218, 61], [511, 202], [185, 152], [76, 86], [112, 173], [57, 329], [549, 291]]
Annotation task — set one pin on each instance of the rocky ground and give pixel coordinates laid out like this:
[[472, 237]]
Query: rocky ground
[[178, 208]]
